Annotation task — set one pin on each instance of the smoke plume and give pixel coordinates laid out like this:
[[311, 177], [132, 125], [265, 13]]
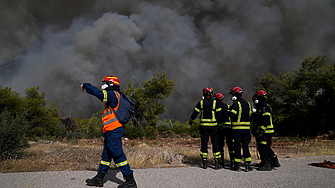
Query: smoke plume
[[58, 45]]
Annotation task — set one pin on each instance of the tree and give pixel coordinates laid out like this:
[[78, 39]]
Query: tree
[[10, 100], [43, 119], [302, 100], [148, 99]]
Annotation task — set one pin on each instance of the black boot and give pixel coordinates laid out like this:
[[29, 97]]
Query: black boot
[[217, 164], [96, 180], [274, 161], [129, 183], [236, 167], [248, 167], [266, 166], [261, 163], [222, 160], [204, 163]]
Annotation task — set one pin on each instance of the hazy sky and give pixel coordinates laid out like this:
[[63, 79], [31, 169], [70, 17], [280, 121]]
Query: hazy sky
[[58, 45]]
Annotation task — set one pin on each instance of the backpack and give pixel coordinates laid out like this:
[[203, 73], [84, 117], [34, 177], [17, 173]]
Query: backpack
[[125, 110]]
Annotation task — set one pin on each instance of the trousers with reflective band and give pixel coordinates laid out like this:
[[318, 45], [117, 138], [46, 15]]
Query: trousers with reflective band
[[264, 148], [237, 139], [113, 150], [109, 121]]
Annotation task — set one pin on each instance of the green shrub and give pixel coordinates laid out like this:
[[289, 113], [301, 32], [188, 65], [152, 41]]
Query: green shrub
[[179, 128], [132, 132], [165, 125], [12, 139], [150, 133]]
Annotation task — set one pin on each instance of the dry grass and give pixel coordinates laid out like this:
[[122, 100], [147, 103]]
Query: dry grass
[[141, 154]]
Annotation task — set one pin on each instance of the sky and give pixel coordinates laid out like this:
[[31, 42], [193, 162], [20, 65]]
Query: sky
[[58, 45]]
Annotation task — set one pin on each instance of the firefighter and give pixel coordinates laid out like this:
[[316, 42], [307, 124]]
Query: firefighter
[[209, 115], [113, 131], [224, 132], [240, 115], [264, 131]]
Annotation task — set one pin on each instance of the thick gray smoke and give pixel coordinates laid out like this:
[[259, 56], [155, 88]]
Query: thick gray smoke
[[58, 45]]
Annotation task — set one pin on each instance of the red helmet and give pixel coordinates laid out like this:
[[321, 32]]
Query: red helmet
[[261, 93], [219, 96], [113, 79], [207, 91], [236, 91]]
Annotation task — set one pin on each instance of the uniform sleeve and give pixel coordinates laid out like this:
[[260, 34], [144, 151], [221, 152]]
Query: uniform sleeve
[[266, 113], [233, 110], [218, 114], [196, 111], [225, 117], [94, 91], [104, 96]]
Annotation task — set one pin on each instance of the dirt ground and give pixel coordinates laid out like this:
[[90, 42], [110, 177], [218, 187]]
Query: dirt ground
[[164, 152]]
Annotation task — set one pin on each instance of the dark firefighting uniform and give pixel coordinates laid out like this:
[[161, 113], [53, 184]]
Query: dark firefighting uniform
[[224, 132], [240, 115], [113, 130], [264, 130], [209, 115]]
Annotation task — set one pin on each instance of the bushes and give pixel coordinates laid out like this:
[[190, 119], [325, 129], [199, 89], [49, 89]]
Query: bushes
[[302, 100], [12, 139], [132, 132], [43, 120]]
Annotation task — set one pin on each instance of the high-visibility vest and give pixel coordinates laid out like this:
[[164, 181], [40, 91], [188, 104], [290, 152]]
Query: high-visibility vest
[[109, 121]]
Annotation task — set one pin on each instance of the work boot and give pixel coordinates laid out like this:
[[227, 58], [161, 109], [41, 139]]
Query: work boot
[[261, 163], [266, 166], [236, 167], [248, 167], [274, 161], [222, 160], [129, 183], [96, 180], [217, 164], [204, 163]]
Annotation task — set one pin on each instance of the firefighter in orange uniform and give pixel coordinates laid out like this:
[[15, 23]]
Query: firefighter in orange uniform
[[113, 131]]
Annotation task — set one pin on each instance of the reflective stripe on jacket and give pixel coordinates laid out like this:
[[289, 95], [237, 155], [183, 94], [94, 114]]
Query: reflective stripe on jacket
[[206, 121], [240, 115], [264, 120], [109, 121]]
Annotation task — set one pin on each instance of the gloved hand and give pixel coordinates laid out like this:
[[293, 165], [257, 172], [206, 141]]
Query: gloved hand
[[190, 122]]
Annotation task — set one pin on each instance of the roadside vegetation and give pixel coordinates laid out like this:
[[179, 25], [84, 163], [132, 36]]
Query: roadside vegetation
[[302, 103]]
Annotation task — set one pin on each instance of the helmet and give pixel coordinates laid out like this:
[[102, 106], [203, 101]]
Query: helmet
[[236, 91], [111, 80], [261, 93], [207, 91], [260, 96], [219, 96]]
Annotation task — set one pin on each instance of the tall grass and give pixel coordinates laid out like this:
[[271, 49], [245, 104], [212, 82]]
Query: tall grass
[[140, 154]]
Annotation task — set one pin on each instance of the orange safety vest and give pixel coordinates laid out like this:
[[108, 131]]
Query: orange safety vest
[[109, 121]]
